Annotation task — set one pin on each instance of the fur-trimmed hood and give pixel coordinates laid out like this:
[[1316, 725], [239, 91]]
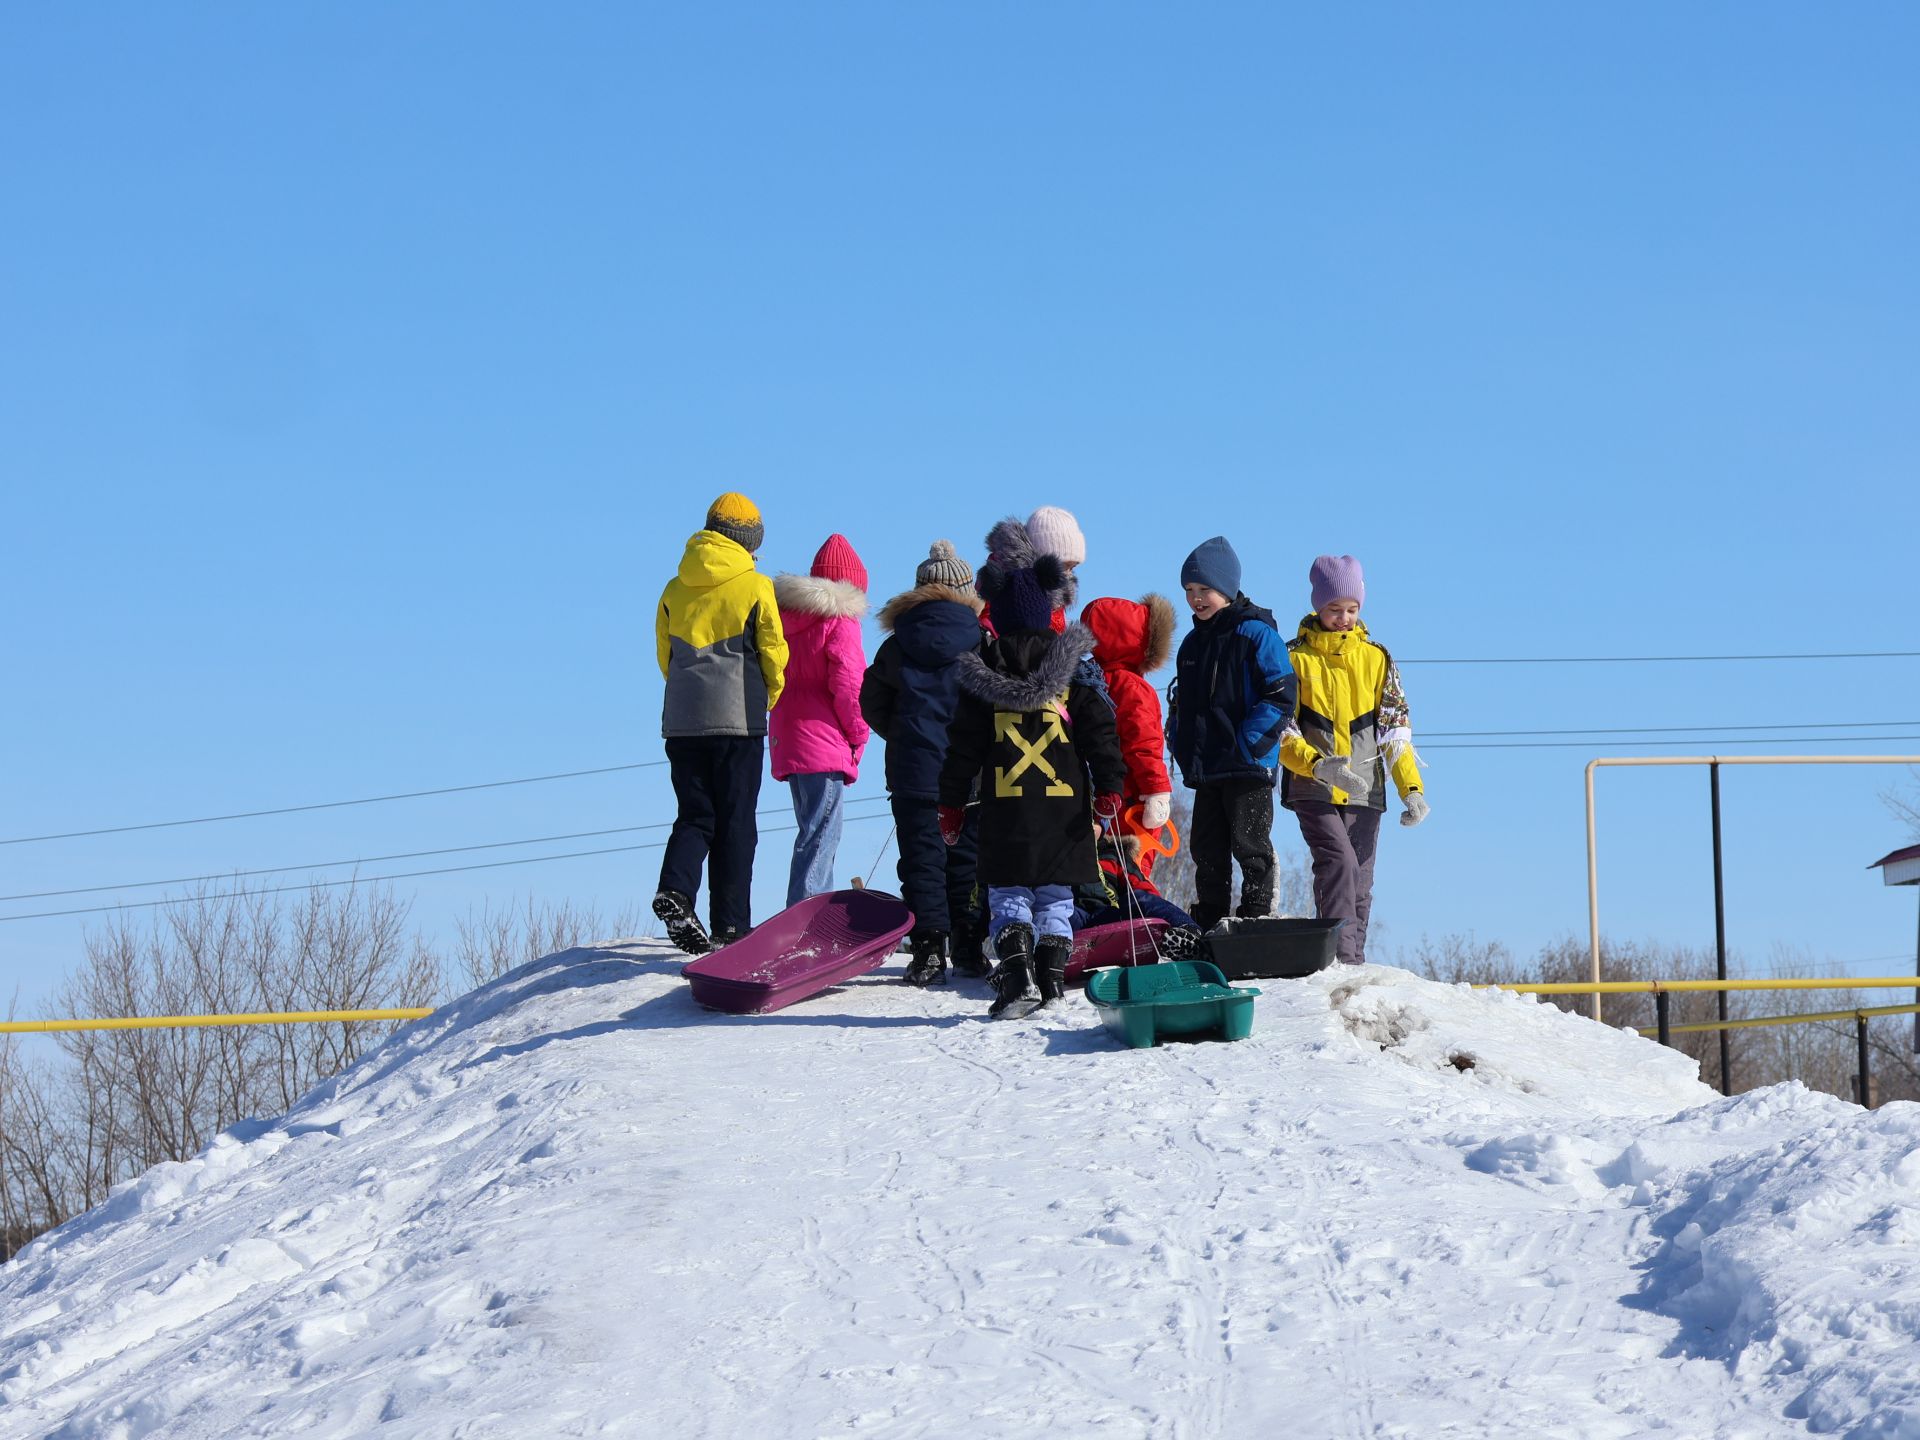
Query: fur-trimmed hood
[[926, 594], [812, 595], [1132, 635], [1025, 672]]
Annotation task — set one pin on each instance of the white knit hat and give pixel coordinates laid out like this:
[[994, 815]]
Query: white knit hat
[[1055, 532]]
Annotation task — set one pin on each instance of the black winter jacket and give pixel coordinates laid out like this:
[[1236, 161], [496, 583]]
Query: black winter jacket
[[911, 689], [1041, 745]]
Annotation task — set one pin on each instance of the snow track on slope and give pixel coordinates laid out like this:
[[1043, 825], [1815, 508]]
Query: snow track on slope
[[573, 1203]]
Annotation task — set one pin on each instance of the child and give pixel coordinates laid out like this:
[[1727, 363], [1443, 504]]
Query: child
[[1351, 727], [724, 657], [909, 697], [1232, 697], [1015, 544], [817, 731], [1043, 750], [1132, 639]]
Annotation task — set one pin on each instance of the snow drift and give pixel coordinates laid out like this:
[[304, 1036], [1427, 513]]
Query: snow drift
[[572, 1203]]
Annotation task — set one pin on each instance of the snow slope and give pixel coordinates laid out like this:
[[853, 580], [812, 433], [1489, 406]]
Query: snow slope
[[572, 1203]]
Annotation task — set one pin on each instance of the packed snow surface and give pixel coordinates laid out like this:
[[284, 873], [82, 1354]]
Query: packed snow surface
[[573, 1203]]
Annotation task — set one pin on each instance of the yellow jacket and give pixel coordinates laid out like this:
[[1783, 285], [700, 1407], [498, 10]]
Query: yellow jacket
[[1351, 703], [721, 647]]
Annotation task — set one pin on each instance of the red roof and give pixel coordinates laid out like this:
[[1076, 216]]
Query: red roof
[[1912, 852]]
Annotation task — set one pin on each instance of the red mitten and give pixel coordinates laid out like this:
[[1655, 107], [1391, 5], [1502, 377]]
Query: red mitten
[[1107, 807], [953, 819]]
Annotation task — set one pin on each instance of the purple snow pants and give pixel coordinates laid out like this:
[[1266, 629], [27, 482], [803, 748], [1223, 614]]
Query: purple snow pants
[[1341, 839]]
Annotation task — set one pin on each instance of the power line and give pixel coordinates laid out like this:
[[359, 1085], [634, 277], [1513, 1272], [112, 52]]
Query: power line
[[1685, 729], [379, 879], [1663, 659], [383, 859], [333, 804], [1589, 744]]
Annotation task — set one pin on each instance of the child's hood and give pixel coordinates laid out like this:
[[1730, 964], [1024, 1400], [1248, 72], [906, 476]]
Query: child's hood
[[1132, 635], [935, 624], [1315, 636], [1025, 672], [712, 559], [806, 600]]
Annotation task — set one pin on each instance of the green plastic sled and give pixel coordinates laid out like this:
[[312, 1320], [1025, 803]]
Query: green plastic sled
[[1187, 998]]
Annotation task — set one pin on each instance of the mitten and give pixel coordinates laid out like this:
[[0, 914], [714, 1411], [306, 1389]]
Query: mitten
[[1107, 807], [1155, 810], [1417, 809], [953, 819], [1338, 771]]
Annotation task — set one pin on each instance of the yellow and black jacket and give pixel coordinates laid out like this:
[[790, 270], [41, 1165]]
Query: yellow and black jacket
[[1350, 703], [721, 647]]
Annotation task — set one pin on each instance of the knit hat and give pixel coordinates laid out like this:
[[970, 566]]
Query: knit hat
[[1337, 577], [1021, 601], [737, 518], [1214, 565], [836, 560], [1055, 532], [943, 566]]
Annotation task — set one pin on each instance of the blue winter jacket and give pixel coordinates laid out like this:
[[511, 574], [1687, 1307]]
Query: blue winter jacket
[[912, 688], [1232, 696]]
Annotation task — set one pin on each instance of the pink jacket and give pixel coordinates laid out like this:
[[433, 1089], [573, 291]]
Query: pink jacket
[[817, 727]]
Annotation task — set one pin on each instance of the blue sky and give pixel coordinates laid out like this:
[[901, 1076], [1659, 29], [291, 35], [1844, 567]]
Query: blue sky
[[366, 368]]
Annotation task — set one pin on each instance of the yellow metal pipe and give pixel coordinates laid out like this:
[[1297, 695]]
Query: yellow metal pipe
[[181, 1022], [1654, 987], [1864, 1014]]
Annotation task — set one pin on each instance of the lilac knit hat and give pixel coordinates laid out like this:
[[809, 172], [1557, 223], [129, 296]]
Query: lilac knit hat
[[1337, 577]]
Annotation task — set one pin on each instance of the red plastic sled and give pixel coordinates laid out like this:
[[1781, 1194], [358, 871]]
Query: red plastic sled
[[800, 952], [1125, 942]]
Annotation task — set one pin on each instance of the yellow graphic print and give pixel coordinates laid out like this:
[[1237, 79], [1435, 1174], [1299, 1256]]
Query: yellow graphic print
[[1006, 726]]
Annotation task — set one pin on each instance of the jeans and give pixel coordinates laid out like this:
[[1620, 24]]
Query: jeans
[[816, 809], [716, 779], [1047, 908], [1342, 841]]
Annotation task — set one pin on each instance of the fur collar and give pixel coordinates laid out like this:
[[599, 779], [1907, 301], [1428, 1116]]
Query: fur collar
[[924, 595], [811, 595], [1160, 627], [1053, 670]]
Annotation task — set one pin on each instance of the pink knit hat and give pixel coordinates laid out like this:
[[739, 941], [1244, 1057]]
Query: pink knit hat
[[837, 561], [1337, 577]]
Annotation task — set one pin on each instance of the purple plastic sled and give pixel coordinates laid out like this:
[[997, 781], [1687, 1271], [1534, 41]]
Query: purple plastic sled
[[1125, 942], [800, 952]]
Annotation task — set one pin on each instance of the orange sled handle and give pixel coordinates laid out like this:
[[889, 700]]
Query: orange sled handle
[[1151, 842]]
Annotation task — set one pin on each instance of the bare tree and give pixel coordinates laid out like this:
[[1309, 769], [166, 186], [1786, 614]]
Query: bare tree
[[490, 942]]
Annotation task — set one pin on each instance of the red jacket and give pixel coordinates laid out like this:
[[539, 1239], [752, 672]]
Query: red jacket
[[1132, 638]]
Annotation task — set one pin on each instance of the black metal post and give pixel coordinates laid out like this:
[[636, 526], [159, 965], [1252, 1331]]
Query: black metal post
[[1720, 935], [1661, 1016], [1866, 1063]]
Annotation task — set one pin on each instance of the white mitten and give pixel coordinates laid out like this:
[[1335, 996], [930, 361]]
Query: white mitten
[[1338, 771], [1155, 809], [1417, 809]]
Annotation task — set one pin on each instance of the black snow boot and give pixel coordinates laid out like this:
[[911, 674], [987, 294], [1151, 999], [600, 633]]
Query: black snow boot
[[970, 953], [1050, 965], [1015, 994], [1177, 942], [929, 963], [684, 929]]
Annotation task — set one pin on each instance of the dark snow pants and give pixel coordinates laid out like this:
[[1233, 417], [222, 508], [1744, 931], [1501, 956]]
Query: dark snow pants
[[1232, 820], [1341, 839], [936, 880], [716, 779]]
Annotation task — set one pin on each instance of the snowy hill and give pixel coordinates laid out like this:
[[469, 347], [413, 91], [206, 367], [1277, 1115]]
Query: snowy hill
[[573, 1203]]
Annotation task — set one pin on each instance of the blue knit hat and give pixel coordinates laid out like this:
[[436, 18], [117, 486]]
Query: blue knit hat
[[1214, 565], [1020, 600]]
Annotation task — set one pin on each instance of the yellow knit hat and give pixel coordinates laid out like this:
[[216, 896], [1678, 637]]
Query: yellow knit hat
[[738, 518]]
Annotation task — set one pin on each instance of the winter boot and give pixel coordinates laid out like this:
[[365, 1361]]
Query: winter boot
[[1015, 994], [730, 933], [969, 953], [1050, 965], [929, 963], [1179, 943], [684, 929]]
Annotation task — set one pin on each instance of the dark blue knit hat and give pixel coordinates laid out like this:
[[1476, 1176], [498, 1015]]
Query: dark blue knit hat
[[1020, 600], [1214, 565]]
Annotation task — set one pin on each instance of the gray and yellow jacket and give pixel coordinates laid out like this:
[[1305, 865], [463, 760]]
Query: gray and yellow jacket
[[721, 647], [1351, 703]]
